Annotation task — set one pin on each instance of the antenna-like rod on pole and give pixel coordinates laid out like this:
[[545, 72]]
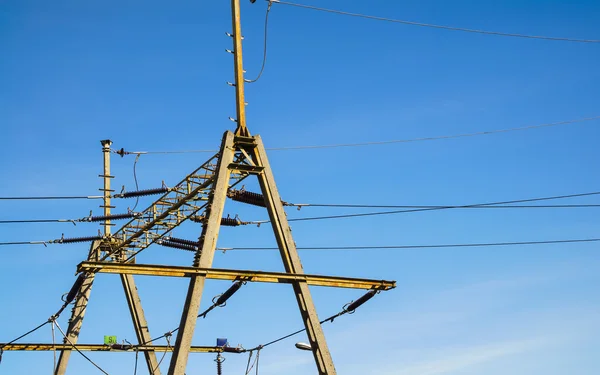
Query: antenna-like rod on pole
[[106, 190], [241, 129]]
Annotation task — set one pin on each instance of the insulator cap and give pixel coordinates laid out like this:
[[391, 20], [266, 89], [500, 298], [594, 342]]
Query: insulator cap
[[140, 193]]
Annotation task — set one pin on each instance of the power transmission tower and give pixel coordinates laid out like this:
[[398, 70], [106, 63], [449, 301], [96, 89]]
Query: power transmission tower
[[201, 195]]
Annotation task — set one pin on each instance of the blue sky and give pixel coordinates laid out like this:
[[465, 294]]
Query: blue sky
[[152, 76]]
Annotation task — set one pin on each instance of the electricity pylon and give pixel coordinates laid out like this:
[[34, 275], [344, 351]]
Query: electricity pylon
[[201, 196]]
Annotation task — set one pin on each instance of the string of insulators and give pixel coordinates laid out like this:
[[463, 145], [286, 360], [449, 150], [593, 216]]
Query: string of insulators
[[176, 245], [229, 292], [140, 193], [181, 241], [219, 361], [231, 222], [220, 300], [70, 296], [247, 197], [225, 221], [354, 305], [129, 215], [75, 288], [76, 239]]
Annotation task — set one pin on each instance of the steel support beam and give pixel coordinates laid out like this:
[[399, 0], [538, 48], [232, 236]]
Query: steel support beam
[[229, 274], [291, 261], [78, 312], [204, 257], [240, 101], [38, 347], [140, 324]]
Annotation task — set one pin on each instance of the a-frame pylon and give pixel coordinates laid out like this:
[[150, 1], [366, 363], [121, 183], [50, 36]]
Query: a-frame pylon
[[249, 152]]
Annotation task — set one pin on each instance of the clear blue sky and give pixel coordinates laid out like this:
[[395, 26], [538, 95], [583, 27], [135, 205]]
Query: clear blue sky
[[151, 76]]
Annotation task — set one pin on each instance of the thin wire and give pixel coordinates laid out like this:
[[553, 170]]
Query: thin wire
[[439, 26], [79, 351], [330, 319], [25, 334], [554, 197], [36, 221], [163, 356], [137, 199], [440, 207], [248, 367], [484, 244], [136, 361], [257, 357], [264, 61], [55, 197], [423, 139]]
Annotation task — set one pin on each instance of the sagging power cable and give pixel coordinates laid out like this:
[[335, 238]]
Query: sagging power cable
[[218, 301], [429, 25], [67, 299], [437, 208], [77, 349], [398, 247], [265, 44], [378, 143]]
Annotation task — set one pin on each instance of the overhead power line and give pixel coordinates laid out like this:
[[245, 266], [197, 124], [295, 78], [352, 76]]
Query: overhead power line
[[53, 198], [444, 207], [376, 143], [437, 208], [434, 246], [435, 26]]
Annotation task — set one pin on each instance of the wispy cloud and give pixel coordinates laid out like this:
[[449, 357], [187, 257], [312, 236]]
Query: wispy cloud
[[453, 360]]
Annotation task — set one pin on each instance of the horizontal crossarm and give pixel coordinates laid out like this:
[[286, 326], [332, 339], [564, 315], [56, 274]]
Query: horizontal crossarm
[[226, 274], [107, 348]]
